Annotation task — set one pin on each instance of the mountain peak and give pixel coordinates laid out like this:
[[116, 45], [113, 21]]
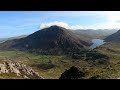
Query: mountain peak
[[55, 30], [51, 40], [55, 27]]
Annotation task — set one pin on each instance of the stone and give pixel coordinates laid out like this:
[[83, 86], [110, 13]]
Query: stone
[[19, 69]]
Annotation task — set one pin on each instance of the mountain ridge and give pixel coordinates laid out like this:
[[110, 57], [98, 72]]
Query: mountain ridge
[[94, 34]]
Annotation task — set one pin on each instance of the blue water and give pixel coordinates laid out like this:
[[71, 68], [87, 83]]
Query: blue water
[[97, 43]]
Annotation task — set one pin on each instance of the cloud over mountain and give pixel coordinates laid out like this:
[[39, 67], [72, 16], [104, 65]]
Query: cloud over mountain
[[60, 23]]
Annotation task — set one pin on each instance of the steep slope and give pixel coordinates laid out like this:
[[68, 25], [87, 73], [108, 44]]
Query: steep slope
[[52, 40], [114, 37]]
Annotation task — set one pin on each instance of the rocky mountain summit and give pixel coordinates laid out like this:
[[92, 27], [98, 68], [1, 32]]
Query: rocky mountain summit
[[18, 70]]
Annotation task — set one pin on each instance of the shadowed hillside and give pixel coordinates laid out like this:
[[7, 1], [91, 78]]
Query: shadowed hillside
[[114, 37]]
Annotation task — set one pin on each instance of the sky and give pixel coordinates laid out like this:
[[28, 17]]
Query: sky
[[15, 23]]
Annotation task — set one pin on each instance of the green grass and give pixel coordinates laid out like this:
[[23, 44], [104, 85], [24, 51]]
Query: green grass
[[51, 67], [112, 50], [48, 66], [9, 76]]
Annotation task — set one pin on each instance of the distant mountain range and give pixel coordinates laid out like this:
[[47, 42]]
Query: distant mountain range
[[11, 38], [96, 34], [52, 40]]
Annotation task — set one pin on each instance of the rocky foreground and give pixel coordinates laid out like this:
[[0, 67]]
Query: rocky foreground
[[18, 70]]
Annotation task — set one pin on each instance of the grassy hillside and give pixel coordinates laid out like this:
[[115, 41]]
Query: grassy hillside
[[113, 51], [51, 67], [48, 66]]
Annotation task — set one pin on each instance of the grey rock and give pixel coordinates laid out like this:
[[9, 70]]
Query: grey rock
[[21, 70]]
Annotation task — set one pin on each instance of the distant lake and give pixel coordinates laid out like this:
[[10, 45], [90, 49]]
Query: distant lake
[[96, 43]]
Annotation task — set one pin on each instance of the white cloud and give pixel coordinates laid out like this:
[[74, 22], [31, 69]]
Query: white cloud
[[107, 25], [62, 24], [112, 20], [44, 25]]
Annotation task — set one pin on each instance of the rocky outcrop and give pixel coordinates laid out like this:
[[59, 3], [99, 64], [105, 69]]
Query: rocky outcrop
[[20, 70]]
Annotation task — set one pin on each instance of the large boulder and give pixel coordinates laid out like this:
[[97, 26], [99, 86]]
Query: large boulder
[[72, 73]]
